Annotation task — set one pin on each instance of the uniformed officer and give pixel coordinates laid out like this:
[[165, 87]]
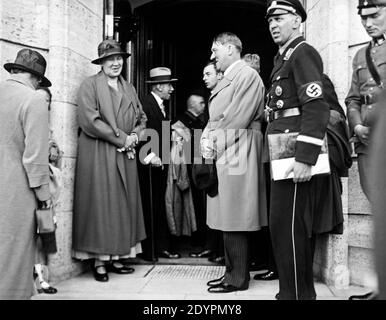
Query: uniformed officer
[[368, 82], [295, 104]]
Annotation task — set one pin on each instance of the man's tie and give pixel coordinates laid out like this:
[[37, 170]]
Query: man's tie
[[163, 109]]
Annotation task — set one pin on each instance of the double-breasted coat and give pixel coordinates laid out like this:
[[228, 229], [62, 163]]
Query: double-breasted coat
[[24, 178], [108, 217], [236, 103]]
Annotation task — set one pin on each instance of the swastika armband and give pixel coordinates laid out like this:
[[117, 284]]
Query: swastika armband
[[310, 91]]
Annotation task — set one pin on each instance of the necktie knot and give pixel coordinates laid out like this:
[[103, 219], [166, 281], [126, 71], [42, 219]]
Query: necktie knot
[[163, 109]]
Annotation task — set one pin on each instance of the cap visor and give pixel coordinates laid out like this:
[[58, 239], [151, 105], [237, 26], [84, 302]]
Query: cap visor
[[368, 11], [276, 12]]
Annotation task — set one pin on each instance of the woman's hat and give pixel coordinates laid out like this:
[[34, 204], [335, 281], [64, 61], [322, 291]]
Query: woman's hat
[[109, 48], [160, 75], [32, 62]]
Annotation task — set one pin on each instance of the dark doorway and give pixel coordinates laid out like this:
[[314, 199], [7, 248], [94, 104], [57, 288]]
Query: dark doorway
[[179, 34]]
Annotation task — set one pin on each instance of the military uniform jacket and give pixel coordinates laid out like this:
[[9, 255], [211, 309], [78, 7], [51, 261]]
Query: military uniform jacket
[[297, 82], [362, 99]]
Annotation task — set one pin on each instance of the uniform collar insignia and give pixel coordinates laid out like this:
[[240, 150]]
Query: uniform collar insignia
[[288, 53], [380, 40], [292, 47]]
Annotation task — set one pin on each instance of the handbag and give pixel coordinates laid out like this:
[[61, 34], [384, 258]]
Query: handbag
[[45, 220], [282, 155]]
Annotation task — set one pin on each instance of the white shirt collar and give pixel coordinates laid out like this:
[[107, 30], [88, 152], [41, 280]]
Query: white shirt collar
[[231, 67], [157, 98]]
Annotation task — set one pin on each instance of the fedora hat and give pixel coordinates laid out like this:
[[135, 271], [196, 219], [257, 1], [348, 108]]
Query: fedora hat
[[32, 62], [160, 75], [109, 48]]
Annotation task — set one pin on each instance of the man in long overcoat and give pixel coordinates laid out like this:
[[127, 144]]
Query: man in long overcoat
[[24, 173], [236, 111]]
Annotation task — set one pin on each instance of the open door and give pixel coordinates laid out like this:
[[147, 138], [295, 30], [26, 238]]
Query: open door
[[178, 34]]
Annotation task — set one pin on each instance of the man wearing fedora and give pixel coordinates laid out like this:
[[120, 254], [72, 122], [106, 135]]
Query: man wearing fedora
[[368, 82], [163, 242], [24, 170]]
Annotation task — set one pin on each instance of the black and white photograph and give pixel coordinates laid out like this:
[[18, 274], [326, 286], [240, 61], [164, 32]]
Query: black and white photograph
[[193, 155]]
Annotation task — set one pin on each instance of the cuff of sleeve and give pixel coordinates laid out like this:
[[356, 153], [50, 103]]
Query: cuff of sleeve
[[307, 153], [42, 192], [135, 134], [149, 157]]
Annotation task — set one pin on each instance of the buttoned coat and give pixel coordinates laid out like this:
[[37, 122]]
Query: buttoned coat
[[237, 103], [362, 84], [108, 217], [23, 171]]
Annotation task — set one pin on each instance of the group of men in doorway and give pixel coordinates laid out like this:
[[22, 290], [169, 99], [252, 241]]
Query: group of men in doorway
[[300, 99]]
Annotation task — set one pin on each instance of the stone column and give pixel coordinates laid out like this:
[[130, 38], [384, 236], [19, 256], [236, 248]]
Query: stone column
[[327, 29], [75, 30]]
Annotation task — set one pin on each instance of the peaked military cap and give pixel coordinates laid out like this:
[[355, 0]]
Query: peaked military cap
[[277, 7], [367, 7]]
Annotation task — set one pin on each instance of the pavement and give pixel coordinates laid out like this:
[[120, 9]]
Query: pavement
[[175, 282]]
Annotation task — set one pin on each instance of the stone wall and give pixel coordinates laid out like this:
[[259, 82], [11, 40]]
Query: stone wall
[[67, 33]]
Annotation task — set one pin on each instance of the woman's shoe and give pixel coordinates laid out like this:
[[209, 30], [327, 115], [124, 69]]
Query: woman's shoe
[[44, 287], [121, 270], [98, 276]]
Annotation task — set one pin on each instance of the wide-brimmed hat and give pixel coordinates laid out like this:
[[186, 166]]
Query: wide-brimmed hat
[[109, 48], [32, 62], [279, 7], [367, 7], [160, 75]]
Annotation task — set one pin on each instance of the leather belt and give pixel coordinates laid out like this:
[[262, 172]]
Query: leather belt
[[274, 115]]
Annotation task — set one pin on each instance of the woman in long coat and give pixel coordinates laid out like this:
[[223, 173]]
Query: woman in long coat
[[24, 173], [108, 219]]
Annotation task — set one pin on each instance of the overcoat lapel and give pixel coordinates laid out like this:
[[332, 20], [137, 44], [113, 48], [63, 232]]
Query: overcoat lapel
[[227, 80], [156, 110], [106, 107]]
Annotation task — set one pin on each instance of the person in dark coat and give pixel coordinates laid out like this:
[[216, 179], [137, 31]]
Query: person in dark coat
[[295, 104], [368, 81], [160, 242], [108, 223]]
